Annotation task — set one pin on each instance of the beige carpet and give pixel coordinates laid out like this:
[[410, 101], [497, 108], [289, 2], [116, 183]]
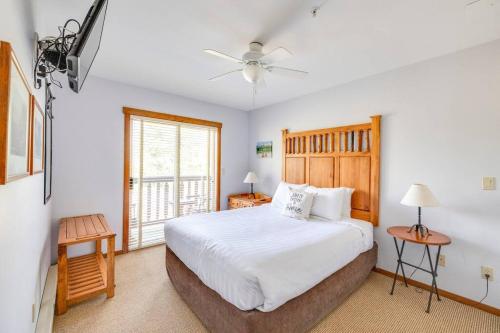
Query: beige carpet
[[145, 301]]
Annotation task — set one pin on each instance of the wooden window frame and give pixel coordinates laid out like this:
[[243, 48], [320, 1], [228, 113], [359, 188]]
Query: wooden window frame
[[128, 112]]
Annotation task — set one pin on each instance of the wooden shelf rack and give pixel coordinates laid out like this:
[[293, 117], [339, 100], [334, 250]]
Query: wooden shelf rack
[[85, 276]]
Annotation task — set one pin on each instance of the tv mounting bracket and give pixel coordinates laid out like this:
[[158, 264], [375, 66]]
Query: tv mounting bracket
[[50, 54]]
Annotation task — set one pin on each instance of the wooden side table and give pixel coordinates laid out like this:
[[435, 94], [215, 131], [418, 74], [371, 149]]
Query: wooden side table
[[82, 277], [247, 200], [433, 238]]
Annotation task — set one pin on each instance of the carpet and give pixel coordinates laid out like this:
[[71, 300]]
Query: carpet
[[145, 301]]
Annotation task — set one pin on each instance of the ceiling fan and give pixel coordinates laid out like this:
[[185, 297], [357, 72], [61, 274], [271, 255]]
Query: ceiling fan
[[256, 64]]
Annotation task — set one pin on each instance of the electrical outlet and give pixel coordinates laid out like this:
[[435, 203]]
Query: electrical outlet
[[489, 183], [442, 260], [487, 270]]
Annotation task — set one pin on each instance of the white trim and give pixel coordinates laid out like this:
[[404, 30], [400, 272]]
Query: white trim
[[45, 322]]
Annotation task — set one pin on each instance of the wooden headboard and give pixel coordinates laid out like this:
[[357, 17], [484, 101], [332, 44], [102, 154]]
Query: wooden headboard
[[346, 156]]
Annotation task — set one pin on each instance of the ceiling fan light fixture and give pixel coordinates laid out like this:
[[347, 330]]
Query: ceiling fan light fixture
[[252, 72], [256, 64]]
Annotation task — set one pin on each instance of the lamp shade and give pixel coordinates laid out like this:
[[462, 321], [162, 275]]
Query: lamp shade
[[251, 178], [419, 195]]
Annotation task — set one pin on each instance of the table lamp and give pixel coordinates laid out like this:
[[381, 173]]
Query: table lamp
[[251, 179], [419, 196]]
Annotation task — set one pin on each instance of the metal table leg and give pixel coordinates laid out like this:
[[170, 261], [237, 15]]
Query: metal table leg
[[435, 272], [434, 268], [400, 264]]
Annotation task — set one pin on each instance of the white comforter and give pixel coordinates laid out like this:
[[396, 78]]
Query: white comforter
[[256, 258]]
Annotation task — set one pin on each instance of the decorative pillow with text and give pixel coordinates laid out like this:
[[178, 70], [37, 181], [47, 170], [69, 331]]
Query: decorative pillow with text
[[299, 204]]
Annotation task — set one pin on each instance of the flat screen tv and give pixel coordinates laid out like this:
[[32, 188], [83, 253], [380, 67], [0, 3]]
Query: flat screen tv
[[86, 44]]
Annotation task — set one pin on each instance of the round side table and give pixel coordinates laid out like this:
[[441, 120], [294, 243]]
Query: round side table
[[433, 238]]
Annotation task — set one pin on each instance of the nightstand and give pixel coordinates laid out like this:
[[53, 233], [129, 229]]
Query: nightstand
[[247, 200], [433, 238]]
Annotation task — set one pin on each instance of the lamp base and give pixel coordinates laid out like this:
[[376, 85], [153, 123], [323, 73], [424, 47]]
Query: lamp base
[[420, 229]]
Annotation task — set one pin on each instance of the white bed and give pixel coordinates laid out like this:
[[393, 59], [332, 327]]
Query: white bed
[[256, 258]]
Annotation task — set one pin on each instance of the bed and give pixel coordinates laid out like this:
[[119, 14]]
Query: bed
[[255, 270]]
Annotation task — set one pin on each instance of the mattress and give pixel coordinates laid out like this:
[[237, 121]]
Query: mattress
[[256, 258]]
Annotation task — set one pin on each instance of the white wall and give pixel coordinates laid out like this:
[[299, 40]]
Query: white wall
[[441, 127], [88, 147], [24, 219]]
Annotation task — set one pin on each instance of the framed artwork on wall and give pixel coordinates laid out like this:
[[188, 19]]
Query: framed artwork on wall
[[48, 145], [264, 149], [37, 137], [15, 112]]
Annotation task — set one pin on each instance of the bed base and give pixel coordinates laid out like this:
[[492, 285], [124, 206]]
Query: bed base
[[297, 315]]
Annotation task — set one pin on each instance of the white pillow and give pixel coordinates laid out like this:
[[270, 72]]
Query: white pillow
[[328, 202], [346, 209], [299, 204], [281, 195]]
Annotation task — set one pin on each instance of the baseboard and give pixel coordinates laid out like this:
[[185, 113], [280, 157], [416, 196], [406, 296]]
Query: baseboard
[[447, 294], [45, 320]]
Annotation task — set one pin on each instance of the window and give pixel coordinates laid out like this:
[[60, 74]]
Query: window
[[173, 170]]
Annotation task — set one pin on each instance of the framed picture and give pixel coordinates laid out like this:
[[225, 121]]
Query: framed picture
[[48, 145], [37, 137], [265, 149], [15, 111]]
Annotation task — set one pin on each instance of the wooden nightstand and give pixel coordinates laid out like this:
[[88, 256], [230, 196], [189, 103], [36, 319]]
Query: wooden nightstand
[[247, 200]]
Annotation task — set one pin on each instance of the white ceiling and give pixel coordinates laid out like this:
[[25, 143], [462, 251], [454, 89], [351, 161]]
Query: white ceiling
[[158, 44]]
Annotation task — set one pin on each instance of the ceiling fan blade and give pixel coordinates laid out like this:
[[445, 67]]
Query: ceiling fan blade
[[215, 78], [223, 56], [294, 73], [275, 55]]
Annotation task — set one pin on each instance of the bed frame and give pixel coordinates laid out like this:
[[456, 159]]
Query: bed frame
[[341, 156]]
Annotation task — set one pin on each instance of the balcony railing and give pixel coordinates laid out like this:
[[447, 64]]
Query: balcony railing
[[159, 201]]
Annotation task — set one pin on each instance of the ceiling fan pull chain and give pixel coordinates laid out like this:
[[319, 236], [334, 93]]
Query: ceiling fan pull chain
[[254, 92]]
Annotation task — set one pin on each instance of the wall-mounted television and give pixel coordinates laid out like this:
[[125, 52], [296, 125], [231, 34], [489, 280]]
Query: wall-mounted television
[[86, 44]]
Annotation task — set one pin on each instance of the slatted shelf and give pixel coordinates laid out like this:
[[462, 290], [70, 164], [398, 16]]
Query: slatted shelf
[[84, 274]]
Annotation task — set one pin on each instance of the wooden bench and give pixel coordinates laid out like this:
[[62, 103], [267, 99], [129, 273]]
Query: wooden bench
[[85, 276]]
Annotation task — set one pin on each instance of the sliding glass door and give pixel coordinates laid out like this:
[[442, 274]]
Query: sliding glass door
[[173, 170]]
